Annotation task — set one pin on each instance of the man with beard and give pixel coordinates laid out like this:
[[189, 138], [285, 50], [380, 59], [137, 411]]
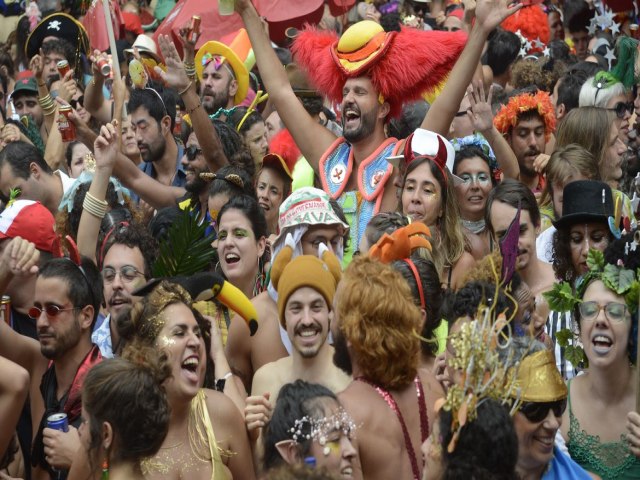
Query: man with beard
[[152, 119], [365, 71], [65, 307], [306, 286], [527, 122], [391, 400], [311, 219], [502, 206], [224, 78], [127, 255]]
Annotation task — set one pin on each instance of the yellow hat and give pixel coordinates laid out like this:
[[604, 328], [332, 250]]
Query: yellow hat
[[538, 378], [304, 271], [238, 54]]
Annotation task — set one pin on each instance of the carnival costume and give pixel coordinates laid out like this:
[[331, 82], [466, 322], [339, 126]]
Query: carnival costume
[[366, 50]]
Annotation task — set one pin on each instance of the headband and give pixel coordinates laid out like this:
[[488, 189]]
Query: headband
[[416, 275]]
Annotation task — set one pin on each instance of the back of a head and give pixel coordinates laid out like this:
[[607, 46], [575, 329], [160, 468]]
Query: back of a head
[[20, 155], [231, 180], [381, 334], [295, 400], [128, 394], [576, 15], [502, 51], [598, 90], [588, 127], [569, 89], [487, 447]]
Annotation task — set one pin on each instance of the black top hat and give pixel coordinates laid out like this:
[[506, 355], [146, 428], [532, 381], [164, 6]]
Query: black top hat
[[585, 201], [58, 25]]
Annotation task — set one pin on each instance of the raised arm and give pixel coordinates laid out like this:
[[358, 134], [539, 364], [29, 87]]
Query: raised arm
[[481, 117], [176, 78], [311, 137], [105, 148], [94, 101], [489, 14], [19, 258]]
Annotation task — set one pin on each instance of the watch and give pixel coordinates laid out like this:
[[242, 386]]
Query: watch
[[221, 382]]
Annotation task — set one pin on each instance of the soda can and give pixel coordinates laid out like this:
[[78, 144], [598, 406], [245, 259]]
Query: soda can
[[194, 29], [67, 129], [58, 421], [63, 68], [104, 67]]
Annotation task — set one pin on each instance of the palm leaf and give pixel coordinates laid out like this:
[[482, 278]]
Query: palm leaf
[[186, 250]]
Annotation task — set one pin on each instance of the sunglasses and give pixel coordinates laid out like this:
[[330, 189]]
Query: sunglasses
[[614, 311], [621, 108], [536, 412], [52, 311], [192, 152], [77, 103]]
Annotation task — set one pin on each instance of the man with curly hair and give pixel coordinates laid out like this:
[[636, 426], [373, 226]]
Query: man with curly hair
[[527, 122], [375, 338]]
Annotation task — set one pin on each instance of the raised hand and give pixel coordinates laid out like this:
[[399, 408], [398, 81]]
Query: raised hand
[[36, 65], [68, 87], [106, 146], [491, 13], [175, 76], [480, 114], [188, 46], [20, 257]]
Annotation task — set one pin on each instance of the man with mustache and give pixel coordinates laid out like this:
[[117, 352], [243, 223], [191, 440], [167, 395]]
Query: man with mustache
[[127, 254], [365, 72], [306, 285], [527, 122], [65, 307]]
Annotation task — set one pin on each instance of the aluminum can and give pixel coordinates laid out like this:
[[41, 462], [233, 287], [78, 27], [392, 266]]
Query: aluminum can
[[58, 421], [104, 67], [194, 29], [63, 68], [67, 129], [5, 309]]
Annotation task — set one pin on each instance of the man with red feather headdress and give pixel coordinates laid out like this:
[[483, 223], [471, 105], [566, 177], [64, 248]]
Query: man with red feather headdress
[[371, 73]]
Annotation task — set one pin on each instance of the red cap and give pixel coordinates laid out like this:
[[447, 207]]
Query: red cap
[[132, 22], [33, 222]]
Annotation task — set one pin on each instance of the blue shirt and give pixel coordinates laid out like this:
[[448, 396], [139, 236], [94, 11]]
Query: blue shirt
[[179, 179], [564, 468]]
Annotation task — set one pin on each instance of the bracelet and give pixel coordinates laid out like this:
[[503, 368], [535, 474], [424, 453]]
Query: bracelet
[[186, 88], [190, 69], [191, 110], [97, 208], [42, 84]]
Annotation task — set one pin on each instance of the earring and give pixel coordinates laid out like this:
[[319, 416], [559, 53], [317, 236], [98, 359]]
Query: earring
[[105, 468], [326, 451]]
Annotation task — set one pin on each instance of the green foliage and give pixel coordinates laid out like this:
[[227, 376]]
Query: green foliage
[[617, 279], [595, 259], [561, 297], [576, 356], [186, 249], [563, 337]]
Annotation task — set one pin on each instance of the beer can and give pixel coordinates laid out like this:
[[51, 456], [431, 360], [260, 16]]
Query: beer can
[[63, 68], [58, 421], [5, 309], [194, 29], [66, 127], [104, 67]]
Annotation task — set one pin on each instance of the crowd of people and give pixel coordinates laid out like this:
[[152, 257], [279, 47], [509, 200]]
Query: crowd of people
[[384, 239]]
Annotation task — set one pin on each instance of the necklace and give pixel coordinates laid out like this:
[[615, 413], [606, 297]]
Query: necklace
[[476, 227], [424, 421]]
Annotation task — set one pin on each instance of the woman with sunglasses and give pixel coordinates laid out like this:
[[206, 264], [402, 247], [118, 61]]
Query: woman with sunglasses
[[601, 426], [541, 400], [607, 92]]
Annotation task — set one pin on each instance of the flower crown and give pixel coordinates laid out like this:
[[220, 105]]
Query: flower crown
[[507, 117], [477, 140], [318, 429]]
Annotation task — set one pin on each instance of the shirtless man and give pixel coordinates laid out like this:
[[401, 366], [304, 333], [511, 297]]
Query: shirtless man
[[367, 101], [373, 330], [310, 218], [306, 286]]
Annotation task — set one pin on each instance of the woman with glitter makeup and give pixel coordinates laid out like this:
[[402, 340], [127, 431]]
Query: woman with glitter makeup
[[310, 426], [206, 437]]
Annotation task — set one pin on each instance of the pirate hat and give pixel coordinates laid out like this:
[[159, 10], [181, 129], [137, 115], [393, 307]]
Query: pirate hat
[[60, 25]]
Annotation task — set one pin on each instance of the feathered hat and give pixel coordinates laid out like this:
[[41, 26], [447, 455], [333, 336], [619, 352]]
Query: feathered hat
[[401, 65], [507, 116]]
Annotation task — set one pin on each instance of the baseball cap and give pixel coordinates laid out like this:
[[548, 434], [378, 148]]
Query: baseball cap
[[31, 221], [27, 84]]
